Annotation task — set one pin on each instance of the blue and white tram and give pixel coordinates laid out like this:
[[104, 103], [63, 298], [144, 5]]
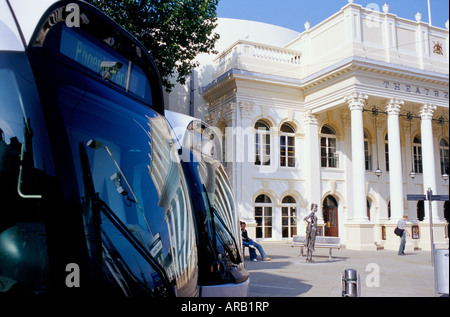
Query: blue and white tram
[[93, 197], [221, 267]]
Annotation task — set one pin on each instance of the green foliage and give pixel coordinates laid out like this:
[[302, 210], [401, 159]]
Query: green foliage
[[174, 31]]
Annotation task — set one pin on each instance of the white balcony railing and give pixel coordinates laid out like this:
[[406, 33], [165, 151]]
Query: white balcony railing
[[259, 51]]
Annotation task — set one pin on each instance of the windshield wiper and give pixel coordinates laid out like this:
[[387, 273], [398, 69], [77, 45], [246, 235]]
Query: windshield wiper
[[237, 259], [215, 214], [107, 211]]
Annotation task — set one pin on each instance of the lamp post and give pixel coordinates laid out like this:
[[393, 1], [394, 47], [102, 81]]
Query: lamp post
[[410, 116], [374, 111]]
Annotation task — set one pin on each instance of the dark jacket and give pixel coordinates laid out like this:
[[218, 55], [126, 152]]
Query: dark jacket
[[245, 237]]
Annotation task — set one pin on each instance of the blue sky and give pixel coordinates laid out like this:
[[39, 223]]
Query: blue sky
[[293, 14]]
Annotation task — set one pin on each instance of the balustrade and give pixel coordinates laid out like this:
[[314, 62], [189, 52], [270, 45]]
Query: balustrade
[[259, 51]]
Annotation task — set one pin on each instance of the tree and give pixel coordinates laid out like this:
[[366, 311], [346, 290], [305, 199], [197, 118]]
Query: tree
[[174, 31]]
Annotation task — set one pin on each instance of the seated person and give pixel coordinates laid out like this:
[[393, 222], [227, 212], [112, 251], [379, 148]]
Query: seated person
[[252, 245]]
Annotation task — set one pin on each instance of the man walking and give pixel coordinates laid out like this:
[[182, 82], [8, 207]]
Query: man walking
[[402, 226]]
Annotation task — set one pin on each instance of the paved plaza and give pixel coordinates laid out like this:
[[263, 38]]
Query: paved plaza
[[382, 273]]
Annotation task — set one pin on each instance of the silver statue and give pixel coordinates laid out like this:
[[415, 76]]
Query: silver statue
[[311, 231]]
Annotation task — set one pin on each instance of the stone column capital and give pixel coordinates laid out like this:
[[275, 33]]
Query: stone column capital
[[229, 112], [309, 118], [427, 111], [356, 101], [211, 118], [393, 106], [246, 110]]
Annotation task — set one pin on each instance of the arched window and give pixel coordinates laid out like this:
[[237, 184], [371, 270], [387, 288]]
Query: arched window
[[263, 216], [417, 150], [444, 156], [288, 217], [287, 146], [328, 152], [386, 152], [367, 152], [262, 143]]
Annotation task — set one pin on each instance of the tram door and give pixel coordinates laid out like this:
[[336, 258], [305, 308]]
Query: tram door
[[330, 216]]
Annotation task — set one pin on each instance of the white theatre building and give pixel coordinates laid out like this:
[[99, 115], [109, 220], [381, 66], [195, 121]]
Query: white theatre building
[[351, 114]]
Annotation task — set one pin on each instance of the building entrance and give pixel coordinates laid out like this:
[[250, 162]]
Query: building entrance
[[330, 216]]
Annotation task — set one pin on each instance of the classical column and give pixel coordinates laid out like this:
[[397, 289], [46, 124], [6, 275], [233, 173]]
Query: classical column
[[429, 169], [245, 160], [395, 159], [229, 116], [356, 105], [312, 160]]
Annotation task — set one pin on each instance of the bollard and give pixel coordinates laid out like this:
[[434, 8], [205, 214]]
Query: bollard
[[350, 287]]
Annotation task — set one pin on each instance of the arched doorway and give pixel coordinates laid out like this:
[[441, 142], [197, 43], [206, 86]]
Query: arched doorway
[[330, 216], [420, 210]]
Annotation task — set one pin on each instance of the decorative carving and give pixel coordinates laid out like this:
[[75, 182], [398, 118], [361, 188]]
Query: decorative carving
[[309, 118], [356, 101], [212, 118], [246, 110], [229, 112], [225, 113], [393, 107], [427, 110]]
